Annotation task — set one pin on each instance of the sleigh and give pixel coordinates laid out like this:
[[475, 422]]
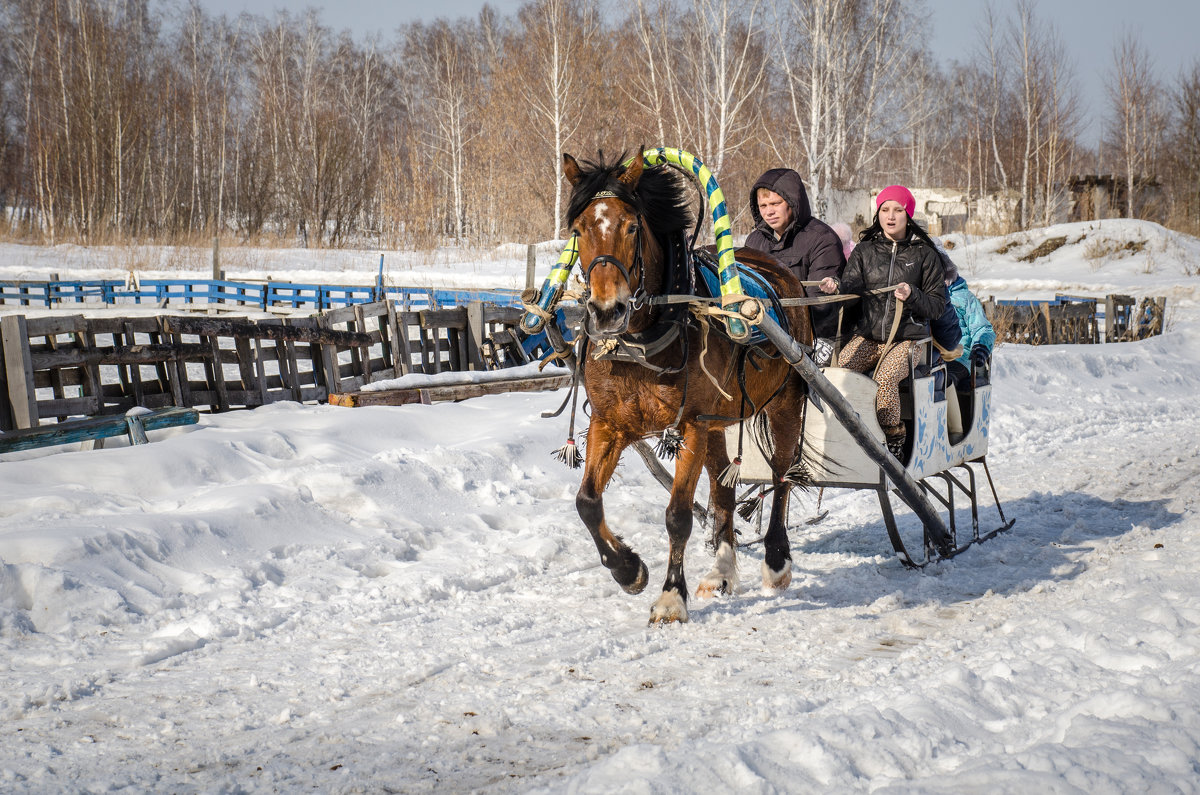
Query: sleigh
[[945, 455]]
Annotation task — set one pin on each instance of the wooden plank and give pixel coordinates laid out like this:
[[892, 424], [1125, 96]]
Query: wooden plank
[[181, 386], [387, 331], [404, 346], [475, 336], [137, 432], [6, 420], [96, 428], [90, 376], [260, 372], [134, 370], [18, 372], [361, 357], [401, 397], [49, 326], [229, 327], [216, 373], [56, 376], [246, 360], [287, 367], [329, 368]]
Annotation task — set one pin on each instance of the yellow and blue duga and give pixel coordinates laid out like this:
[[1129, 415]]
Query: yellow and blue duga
[[731, 283]]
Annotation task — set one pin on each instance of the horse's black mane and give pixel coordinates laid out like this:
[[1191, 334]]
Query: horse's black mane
[[661, 197]]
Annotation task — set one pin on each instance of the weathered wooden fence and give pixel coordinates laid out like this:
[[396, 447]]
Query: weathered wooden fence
[[265, 295], [1076, 320], [69, 366]]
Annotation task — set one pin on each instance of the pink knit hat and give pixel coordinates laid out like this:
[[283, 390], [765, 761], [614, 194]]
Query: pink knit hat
[[897, 193]]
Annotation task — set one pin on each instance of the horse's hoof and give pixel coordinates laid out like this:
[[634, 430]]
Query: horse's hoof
[[722, 578], [670, 608], [639, 582], [777, 580], [713, 586]]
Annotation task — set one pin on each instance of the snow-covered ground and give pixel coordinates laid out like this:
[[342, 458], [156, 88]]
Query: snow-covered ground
[[313, 598]]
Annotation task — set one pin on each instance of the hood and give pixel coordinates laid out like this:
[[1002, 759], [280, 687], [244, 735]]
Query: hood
[[787, 183]]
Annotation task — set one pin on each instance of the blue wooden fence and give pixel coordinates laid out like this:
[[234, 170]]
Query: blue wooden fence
[[263, 295]]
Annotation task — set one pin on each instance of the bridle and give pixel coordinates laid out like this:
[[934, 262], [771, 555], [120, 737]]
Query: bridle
[[638, 296]]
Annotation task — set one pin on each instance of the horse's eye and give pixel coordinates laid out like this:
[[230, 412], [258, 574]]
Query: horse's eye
[[633, 229]]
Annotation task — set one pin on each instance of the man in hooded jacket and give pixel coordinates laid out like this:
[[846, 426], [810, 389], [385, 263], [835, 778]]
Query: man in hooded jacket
[[785, 228]]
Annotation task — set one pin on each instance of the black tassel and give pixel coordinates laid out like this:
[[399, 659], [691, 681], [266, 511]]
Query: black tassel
[[750, 505], [798, 475], [569, 454], [669, 444]]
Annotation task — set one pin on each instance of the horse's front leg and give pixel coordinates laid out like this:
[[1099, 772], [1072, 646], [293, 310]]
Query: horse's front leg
[[672, 604], [777, 553], [722, 578], [786, 425], [604, 447]]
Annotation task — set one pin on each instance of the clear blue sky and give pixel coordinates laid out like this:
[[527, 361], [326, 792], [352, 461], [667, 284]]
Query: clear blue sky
[[1089, 29]]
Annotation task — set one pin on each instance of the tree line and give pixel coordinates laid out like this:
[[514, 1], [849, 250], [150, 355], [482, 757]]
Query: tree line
[[118, 123]]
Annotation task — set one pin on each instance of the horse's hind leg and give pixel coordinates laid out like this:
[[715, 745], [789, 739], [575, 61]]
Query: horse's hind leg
[[722, 578], [672, 604], [603, 453]]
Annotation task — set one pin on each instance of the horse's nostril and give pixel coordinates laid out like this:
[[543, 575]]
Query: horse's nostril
[[610, 319]]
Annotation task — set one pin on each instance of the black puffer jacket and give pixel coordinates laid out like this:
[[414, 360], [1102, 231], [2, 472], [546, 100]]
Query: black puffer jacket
[[808, 246], [879, 262]]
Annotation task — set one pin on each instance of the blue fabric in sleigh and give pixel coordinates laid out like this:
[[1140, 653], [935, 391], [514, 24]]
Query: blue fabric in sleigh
[[753, 285]]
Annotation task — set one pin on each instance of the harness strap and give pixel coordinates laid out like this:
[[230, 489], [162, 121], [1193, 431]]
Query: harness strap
[[891, 334], [805, 301], [703, 353]]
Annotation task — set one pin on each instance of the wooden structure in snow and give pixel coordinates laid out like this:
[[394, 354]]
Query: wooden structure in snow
[[59, 367]]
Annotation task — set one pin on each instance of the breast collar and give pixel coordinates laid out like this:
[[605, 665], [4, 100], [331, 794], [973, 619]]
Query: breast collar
[[669, 321]]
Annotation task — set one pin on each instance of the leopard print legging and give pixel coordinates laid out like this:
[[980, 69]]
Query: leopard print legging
[[860, 354]]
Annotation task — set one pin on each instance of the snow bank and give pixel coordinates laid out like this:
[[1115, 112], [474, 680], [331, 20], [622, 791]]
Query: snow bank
[[403, 598]]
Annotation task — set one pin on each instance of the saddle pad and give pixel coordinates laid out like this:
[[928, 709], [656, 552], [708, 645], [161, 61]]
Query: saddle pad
[[753, 285]]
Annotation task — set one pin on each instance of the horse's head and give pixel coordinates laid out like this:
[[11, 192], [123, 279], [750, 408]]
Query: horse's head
[[612, 241], [619, 213]]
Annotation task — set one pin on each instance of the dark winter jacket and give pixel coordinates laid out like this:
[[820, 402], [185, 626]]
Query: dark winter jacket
[[879, 262], [808, 246]]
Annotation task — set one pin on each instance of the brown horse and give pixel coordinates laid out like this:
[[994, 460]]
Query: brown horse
[[696, 383]]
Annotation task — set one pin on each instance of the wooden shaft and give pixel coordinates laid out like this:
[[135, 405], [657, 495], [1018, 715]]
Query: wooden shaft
[[907, 488]]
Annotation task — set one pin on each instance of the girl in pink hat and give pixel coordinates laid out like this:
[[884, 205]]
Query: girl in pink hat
[[897, 274]]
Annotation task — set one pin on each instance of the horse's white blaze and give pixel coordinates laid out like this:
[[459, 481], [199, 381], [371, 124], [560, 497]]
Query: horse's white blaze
[[723, 576], [669, 607], [602, 220]]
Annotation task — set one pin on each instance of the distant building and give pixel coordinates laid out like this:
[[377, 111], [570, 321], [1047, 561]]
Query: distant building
[[947, 210], [940, 210], [1098, 196]]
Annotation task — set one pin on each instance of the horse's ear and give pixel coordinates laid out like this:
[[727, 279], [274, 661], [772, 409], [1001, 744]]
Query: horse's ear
[[570, 168], [633, 172]]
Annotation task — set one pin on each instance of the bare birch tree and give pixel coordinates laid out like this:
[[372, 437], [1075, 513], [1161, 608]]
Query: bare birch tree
[[444, 58], [1185, 148], [555, 33], [1061, 125], [848, 70], [727, 66], [1136, 114]]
